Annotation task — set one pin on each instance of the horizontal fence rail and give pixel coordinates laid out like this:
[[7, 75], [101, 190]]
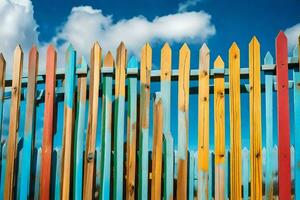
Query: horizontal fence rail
[[96, 130]]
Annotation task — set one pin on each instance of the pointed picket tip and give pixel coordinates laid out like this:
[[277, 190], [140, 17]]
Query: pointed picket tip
[[51, 48], [219, 63], [166, 47], [204, 48], [234, 47], [281, 37], [245, 149], [184, 48], [157, 97], [108, 60], [121, 45], [147, 47], [254, 41], [70, 48], [268, 58], [18, 49], [133, 63]]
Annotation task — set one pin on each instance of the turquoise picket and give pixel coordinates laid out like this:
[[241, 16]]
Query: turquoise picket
[[3, 167], [58, 174], [37, 175], [268, 60], [191, 170]]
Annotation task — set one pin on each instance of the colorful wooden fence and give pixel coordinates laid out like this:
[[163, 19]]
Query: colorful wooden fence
[[112, 98]]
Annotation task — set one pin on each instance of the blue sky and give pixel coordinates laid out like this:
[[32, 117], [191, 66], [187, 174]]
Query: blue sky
[[218, 23]]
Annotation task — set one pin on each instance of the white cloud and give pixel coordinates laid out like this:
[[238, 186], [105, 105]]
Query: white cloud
[[292, 33], [17, 26], [85, 25], [184, 6]]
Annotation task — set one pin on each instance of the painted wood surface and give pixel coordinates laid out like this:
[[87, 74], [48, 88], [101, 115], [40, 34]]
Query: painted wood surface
[[235, 123], [29, 132], [296, 76], [165, 87], [68, 122], [157, 147], [48, 131], [255, 120], [58, 174], [183, 120], [191, 175], [270, 174], [13, 123], [119, 121], [79, 132], [203, 122], [145, 74], [106, 133], [219, 128], [131, 131], [284, 165], [92, 121], [38, 173]]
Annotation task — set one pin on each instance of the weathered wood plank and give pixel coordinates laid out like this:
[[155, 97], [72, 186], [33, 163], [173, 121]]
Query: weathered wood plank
[[255, 120], [191, 175], [119, 121], [157, 147], [48, 130], [131, 131], [68, 121], [29, 132], [79, 132], [183, 120], [145, 75], [235, 123], [296, 75], [203, 122], [92, 121], [284, 165], [270, 174], [165, 87], [219, 127], [13, 123], [106, 130]]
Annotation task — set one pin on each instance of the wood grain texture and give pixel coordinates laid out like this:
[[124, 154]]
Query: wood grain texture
[[157, 147], [270, 173], [13, 123], [235, 123], [183, 120], [219, 127], [69, 110], [203, 122], [284, 165], [29, 132], [92, 122], [48, 130], [119, 121], [145, 76], [165, 87], [255, 120], [79, 132], [131, 131], [106, 132]]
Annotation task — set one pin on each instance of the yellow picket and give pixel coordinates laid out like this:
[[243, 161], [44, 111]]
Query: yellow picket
[[235, 123], [219, 124], [255, 120]]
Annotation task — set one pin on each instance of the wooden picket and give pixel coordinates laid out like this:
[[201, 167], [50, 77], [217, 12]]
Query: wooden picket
[[48, 123], [62, 167], [183, 120], [92, 122], [219, 124], [13, 123], [235, 123], [284, 165]]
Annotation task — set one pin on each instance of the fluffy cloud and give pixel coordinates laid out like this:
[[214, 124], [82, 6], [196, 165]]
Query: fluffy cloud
[[292, 34], [85, 25], [184, 6], [17, 26]]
